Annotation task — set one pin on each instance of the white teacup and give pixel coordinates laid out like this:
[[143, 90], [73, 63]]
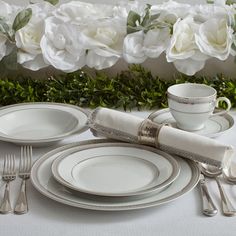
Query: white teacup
[[192, 104]]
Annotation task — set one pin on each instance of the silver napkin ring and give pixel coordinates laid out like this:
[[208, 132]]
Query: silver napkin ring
[[148, 133]]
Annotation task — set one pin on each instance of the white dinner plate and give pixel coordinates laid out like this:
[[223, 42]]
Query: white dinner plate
[[43, 181], [214, 126], [40, 123], [117, 169]]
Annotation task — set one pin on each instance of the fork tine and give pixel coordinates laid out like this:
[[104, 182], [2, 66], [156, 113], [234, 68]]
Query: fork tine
[[8, 164], [21, 165], [14, 164], [30, 158], [11, 165], [4, 165]]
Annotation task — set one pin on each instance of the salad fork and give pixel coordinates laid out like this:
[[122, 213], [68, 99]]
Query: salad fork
[[9, 174], [24, 173]]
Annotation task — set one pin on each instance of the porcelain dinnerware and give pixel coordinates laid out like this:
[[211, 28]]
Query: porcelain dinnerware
[[43, 181], [40, 123], [117, 169], [192, 104], [214, 126]]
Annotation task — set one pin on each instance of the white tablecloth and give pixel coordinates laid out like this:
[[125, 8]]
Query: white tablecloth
[[180, 217]]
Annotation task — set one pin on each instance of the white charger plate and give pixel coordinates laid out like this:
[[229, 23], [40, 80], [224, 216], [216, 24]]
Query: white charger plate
[[44, 182], [40, 123], [214, 126], [117, 169]]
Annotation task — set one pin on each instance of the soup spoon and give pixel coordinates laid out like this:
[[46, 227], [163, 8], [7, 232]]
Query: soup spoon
[[227, 174], [214, 172]]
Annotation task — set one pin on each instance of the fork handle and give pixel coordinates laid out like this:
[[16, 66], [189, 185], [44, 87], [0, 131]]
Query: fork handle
[[227, 207], [22, 204], [209, 208], [6, 204]]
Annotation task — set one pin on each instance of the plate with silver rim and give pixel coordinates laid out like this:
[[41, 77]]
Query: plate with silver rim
[[44, 182], [214, 126], [116, 169], [40, 124]]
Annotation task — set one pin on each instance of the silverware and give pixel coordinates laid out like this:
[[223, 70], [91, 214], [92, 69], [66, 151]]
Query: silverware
[[209, 208], [228, 175], [214, 172], [9, 174], [24, 173]]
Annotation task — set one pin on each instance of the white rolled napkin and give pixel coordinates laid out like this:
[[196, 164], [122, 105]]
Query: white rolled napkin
[[126, 127]]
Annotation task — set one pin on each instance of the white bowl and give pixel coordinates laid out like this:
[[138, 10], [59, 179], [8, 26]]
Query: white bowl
[[40, 124], [37, 123]]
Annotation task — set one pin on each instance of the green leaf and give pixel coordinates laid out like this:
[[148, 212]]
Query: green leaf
[[6, 30], [155, 16], [146, 18], [53, 2], [22, 19], [132, 18], [131, 29], [10, 61], [4, 27]]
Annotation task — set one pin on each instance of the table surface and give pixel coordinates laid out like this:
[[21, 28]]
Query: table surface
[[180, 217]]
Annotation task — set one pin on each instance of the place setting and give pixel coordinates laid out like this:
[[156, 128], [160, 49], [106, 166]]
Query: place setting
[[132, 163]]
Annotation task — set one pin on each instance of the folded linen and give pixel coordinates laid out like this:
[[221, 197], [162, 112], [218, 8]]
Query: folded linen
[[126, 127]]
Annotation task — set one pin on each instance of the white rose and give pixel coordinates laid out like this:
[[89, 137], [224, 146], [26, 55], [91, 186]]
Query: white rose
[[133, 51], [183, 50], [103, 40], [156, 42], [8, 14], [61, 46], [81, 12], [215, 38], [179, 10], [28, 38]]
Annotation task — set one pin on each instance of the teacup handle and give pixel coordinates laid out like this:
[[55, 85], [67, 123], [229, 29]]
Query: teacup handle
[[220, 113]]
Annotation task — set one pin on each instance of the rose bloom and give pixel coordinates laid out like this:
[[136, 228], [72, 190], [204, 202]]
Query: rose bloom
[[214, 38], [8, 14], [61, 46], [183, 50], [103, 41], [28, 38], [139, 46], [79, 13]]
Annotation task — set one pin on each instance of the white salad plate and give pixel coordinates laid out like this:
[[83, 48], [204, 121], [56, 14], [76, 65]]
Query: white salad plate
[[43, 180], [40, 123], [115, 169], [214, 126]]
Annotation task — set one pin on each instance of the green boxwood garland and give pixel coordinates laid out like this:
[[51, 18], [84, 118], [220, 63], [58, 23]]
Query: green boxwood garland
[[135, 88]]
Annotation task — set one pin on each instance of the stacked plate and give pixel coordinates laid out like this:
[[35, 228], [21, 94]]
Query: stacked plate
[[40, 124], [111, 176]]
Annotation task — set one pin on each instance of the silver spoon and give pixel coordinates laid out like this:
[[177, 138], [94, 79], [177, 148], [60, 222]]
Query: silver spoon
[[228, 175], [214, 172], [209, 208]]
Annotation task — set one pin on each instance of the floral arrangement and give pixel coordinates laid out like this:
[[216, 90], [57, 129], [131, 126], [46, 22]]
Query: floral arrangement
[[75, 34]]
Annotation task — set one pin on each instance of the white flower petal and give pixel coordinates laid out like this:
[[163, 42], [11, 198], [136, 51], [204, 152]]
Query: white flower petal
[[98, 62], [133, 51], [189, 66]]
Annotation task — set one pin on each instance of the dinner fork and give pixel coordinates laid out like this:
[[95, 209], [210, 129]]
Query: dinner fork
[[24, 173], [9, 174]]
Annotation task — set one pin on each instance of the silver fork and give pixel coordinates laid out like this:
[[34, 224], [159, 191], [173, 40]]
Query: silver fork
[[24, 173], [9, 174]]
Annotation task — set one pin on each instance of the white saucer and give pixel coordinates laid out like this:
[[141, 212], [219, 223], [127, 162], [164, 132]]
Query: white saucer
[[214, 126]]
